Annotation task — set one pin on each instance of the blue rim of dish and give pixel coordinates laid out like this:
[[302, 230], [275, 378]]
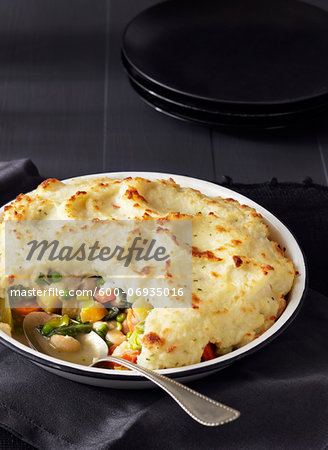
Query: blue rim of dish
[[187, 372]]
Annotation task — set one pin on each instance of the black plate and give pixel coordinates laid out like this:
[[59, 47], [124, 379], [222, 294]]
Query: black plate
[[225, 119], [261, 53], [216, 107]]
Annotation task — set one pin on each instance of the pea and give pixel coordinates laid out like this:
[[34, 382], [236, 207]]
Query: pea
[[118, 326], [120, 317], [102, 330], [47, 329]]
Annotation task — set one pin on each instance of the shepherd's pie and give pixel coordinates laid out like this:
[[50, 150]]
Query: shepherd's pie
[[240, 277]]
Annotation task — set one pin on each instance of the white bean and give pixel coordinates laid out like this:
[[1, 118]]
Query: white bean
[[65, 343], [115, 336]]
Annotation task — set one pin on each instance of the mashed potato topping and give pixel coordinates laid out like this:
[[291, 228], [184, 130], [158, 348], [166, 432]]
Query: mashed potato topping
[[239, 276]]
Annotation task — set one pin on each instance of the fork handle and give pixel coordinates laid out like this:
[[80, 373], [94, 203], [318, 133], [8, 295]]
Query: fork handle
[[201, 408]]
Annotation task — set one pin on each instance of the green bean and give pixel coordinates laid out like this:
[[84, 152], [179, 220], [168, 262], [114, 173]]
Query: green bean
[[71, 330], [112, 313], [46, 329]]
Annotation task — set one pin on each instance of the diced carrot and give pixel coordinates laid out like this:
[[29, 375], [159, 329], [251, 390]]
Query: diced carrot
[[105, 298], [129, 355], [209, 352], [111, 349], [132, 320], [26, 310]]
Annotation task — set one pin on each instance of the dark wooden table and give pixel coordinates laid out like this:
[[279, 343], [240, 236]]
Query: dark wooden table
[[65, 102]]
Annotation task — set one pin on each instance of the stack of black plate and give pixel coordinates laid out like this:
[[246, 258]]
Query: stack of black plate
[[233, 63]]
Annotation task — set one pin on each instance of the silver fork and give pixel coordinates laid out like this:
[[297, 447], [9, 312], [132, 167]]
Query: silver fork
[[201, 408]]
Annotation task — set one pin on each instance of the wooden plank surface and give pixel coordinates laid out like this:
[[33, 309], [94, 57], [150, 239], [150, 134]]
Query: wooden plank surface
[[137, 137], [286, 155], [52, 59], [322, 128], [322, 142], [60, 73]]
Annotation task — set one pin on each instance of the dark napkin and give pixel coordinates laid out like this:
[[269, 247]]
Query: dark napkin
[[17, 176], [281, 390]]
